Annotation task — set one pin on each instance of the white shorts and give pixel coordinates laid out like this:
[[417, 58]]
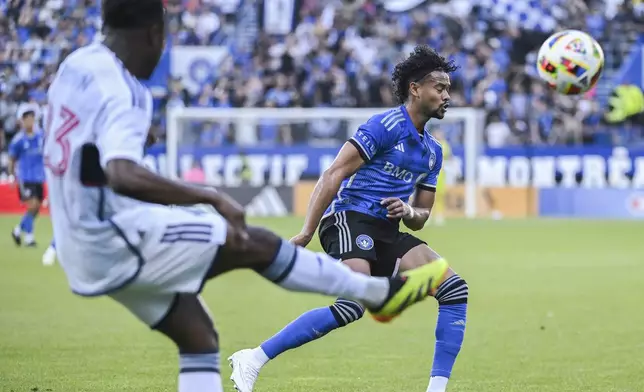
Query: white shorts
[[177, 251]]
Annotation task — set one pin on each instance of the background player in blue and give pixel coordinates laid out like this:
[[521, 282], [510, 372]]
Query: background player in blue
[[358, 204], [27, 167]]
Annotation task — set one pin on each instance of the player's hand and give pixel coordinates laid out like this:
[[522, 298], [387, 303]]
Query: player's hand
[[397, 208], [302, 239], [234, 214]]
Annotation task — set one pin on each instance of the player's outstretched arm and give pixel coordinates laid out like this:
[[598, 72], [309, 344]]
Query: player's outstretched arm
[[345, 165]]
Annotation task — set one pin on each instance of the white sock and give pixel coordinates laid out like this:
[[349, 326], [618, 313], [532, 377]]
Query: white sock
[[260, 356], [437, 384], [200, 382], [299, 269], [29, 238], [199, 373], [17, 230]]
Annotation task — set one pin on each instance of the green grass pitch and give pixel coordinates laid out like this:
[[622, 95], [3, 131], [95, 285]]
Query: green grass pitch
[[556, 306]]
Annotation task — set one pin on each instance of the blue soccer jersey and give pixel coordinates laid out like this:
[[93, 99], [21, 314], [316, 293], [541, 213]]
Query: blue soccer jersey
[[27, 151], [397, 159]]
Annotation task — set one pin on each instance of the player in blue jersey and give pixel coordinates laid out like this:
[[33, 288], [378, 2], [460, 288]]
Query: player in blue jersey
[[386, 173], [27, 167]]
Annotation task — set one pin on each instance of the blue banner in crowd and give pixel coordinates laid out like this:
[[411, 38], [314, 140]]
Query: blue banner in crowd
[[592, 203], [541, 167], [194, 65]]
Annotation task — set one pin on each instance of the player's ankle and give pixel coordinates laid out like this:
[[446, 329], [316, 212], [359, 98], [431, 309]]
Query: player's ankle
[[260, 356], [437, 384]]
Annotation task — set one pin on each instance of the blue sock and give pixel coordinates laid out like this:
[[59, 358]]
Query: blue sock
[[313, 325], [310, 326], [452, 296], [27, 223], [450, 331]]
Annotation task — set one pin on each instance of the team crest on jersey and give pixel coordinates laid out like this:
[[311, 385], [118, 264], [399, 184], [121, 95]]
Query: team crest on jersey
[[364, 242], [432, 160]]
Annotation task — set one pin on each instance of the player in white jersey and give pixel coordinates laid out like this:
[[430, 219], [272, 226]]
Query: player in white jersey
[[115, 234]]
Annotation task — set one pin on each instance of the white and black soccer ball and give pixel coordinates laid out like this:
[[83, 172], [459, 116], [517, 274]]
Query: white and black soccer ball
[[570, 62]]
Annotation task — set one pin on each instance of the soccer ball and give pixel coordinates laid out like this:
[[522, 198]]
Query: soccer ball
[[570, 62]]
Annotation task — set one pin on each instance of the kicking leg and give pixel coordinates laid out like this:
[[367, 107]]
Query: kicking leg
[[298, 269], [310, 326], [452, 296]]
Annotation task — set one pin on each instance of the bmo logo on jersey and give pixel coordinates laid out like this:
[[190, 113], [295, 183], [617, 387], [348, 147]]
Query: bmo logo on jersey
[[395, 171]]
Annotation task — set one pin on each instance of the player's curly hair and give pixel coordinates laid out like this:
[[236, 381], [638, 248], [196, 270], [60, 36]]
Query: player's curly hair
[[420, 62], [131, 14]]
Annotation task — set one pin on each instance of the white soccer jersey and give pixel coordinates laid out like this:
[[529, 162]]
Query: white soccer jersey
[[93, 99]]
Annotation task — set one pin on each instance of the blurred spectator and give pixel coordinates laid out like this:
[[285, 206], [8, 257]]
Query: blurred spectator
[[497, 132], [195, 174]]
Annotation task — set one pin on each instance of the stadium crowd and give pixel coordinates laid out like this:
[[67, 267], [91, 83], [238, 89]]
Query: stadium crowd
[[341, 54]]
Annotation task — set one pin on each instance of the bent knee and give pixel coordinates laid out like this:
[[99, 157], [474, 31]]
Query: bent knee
[[257, 250], [417, 257], [189, 325], [33, 206], [358, 265]]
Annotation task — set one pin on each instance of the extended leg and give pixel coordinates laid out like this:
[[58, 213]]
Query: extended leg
[[310, 326], [298, 269]]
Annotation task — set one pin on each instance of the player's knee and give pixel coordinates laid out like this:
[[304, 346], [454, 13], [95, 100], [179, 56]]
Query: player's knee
[[189, 325], [205, 343], [33, 206], [257, 251], [346, 311], [454, 290]]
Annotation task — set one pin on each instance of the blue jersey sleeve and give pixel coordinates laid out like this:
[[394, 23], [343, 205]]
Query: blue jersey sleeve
[[14, 148], [430, 182], [369, 139]]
